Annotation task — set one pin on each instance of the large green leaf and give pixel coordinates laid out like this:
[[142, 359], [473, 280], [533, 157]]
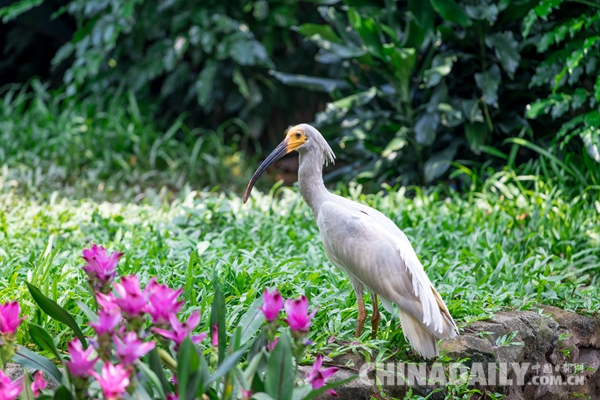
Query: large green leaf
[[439, 162], [252, 320], [228, 363], [62, 393], [217, 317], [488, 82], [43, 339], [368, 31], [187, 365], [506, 49], [29, 359], [426, 128], [279, 379], [440, 67], [154, 363], [55, 311], [451, 11], [476, 133]]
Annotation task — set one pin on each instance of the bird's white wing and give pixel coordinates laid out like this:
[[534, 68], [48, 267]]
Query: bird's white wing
[[369, 246]]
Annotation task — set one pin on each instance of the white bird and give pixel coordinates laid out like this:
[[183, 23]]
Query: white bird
[[368, 246]]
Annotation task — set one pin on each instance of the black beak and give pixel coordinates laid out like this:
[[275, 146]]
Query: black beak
[[275, 155]]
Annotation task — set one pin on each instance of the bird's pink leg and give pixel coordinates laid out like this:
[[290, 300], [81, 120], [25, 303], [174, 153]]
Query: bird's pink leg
[[375, 318], [362, 312], [362, 316]]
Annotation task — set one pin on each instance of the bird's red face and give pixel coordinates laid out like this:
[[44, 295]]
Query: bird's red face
[[294, 138]]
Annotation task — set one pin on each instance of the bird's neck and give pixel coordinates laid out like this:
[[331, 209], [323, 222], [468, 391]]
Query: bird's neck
[[310, 179]]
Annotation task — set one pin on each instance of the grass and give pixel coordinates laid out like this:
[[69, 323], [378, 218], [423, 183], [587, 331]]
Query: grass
[[73, 173], [109, 148], [501, 247]]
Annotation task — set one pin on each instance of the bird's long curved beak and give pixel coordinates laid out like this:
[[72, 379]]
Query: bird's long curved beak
[[280, 151]]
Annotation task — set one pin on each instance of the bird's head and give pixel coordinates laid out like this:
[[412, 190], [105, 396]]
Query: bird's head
[[302, 138]]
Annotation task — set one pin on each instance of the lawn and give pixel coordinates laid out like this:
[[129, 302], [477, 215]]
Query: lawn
[[510, 243]]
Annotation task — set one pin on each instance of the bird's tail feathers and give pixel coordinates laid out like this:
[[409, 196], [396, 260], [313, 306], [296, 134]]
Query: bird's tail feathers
[[418, 335], [449, 328]]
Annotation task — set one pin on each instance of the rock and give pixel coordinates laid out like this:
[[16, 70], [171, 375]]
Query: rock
[[554, 355], [15, 371]]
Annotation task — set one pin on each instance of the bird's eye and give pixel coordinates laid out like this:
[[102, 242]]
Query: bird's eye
[[298, 135]]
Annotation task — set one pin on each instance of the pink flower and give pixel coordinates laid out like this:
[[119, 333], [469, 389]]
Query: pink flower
[[108, 319], [9, 390], [113, 381], [215, 335], [246, 394], [9, 317], [297, 314], [272, 304], [132, 300], [106, 301], [179, 331], [271, 346], [317, 376], [162, 302], [172, 396], [38, 383], [80, 364], [131, 348], [100, 267]]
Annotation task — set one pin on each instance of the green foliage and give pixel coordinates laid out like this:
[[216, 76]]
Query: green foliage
[[426, 83], [111, 146], [570, 43], [211, 54]]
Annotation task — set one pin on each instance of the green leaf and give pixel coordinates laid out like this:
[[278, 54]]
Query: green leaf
[[426, 128], [494, 152], [506, 49], [218, 316], [579, 98], [421, 23], [572, 171], [252, 320], [537, 108], [17, 8], [368, 31], [591, 140], [470, 109], [279, 378], [26, 392], [204, 84], [29, 359], [228, 364], [344, 51], [152, 377], [310, 82], [156, 366], [187, 364], [451, 11], [325, 31], [440, 67], [439, 162], [89, 313], [528, 22], [488, 83], [544, 7], [62, 393], [43, 339], [483, 11], [55, 311], [476, 133]]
